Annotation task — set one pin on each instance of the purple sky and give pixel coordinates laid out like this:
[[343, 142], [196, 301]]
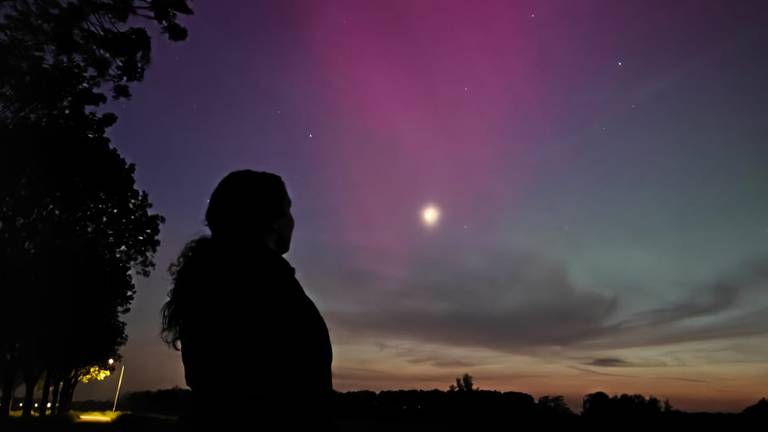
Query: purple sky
[[599, 166]]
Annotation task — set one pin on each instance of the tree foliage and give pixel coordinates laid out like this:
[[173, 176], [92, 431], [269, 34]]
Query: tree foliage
[[75, 229]]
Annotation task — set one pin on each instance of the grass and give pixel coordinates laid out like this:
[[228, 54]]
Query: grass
[[96, 416], [95, 421]]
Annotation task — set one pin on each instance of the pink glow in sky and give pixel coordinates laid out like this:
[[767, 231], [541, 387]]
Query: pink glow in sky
[[599, 167]]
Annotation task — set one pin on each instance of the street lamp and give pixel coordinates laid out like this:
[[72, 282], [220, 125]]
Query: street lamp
[[119, 384]]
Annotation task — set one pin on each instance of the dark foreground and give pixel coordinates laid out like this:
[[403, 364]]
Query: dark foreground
[[137, 422], [412, 410]]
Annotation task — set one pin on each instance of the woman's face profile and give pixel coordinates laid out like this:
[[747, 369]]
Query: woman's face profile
[[284, 230]]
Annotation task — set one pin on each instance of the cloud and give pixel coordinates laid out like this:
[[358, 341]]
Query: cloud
[[593, 372], [615, 362], [600, 373], [720, 297], [519, 301], [499, 300], [737, 324], [442, 363], [732, 306], [609, 362]]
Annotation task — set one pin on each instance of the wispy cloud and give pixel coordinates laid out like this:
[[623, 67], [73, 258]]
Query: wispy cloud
[[512, 301], [616, 362]]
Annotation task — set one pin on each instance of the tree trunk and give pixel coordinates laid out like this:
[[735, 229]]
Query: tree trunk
[[8, 387], [3, 370], [30, 381], [29, 393], [67, 392], [63, 408], [71, 394], [5, 402], [46, 392], [55, 396]]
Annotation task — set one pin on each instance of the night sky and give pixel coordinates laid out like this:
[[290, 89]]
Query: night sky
[[598, 171]]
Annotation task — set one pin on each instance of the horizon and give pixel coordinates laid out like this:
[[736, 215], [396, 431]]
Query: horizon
[[573, 401]]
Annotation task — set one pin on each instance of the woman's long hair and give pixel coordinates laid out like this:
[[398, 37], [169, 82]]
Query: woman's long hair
[[243, 202]]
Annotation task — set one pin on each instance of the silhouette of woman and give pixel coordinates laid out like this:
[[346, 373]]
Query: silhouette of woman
[[252, 342]]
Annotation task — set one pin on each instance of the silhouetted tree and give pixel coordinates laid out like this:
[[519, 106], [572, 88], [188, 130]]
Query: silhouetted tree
[[57, 56], [553, 406], [601, 406], [74, 229], [86, 234], [758, 410], [668, 406], [465, 383], [595, 404]]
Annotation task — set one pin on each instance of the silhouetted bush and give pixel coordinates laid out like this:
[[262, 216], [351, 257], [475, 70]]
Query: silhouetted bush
[[171, 402]]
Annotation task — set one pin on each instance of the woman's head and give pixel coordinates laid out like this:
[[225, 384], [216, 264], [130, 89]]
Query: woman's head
[[246, 206], [252, 206]]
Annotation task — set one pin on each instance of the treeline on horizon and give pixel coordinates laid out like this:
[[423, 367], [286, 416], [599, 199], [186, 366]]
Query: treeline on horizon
[[464, 407]]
